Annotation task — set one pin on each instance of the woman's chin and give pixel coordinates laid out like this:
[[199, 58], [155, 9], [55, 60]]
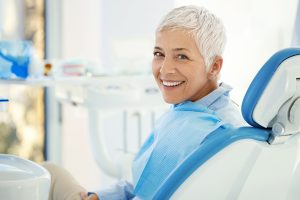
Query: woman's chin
[[170, 100]]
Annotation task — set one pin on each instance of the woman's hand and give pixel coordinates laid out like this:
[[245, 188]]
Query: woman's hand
[[84, 196]]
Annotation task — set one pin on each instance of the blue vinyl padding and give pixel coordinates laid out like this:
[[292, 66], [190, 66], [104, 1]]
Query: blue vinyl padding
[[214, 143], [261, 80]]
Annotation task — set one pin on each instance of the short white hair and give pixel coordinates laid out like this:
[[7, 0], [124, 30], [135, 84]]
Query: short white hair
[[206, 28]]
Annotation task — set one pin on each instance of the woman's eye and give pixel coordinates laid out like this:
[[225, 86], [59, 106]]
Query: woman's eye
[[157, 54], [182, 57]]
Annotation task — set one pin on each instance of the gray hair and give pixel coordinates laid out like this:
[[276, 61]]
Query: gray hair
[[207, 29]]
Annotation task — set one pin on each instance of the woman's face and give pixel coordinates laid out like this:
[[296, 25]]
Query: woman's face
[[179, 68]]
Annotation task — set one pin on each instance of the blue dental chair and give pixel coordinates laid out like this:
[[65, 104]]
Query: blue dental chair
[[256, 162]]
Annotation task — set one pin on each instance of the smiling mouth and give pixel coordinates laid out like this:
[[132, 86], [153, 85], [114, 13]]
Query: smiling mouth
[[172, 83]]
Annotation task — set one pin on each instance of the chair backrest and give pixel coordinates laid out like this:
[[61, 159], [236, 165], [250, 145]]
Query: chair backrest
[[273, 96], [271, 100], [274, 84]]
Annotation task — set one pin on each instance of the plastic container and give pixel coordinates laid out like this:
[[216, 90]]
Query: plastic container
[[15, 59]]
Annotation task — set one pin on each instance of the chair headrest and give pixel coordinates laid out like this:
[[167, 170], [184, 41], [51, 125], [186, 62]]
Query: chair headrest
[[273, 85]]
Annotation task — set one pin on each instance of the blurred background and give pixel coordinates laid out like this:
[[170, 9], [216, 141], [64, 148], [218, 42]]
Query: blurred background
[[106, 46]]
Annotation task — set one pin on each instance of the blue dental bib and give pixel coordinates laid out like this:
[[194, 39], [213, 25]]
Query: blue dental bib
[[174, 137]]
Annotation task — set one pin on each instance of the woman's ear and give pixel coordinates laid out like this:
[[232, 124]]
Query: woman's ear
[[216, 67]]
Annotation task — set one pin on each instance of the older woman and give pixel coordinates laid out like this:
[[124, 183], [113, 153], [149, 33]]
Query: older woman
[[187, 60]]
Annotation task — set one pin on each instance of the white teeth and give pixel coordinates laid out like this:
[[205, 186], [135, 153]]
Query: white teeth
[[172, 84]]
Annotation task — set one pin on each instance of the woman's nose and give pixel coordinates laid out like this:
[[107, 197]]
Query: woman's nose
[[167, 67]]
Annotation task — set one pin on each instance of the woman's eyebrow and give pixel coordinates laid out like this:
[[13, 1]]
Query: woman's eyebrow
[[158, 48], [181, 49], [174, 49]]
